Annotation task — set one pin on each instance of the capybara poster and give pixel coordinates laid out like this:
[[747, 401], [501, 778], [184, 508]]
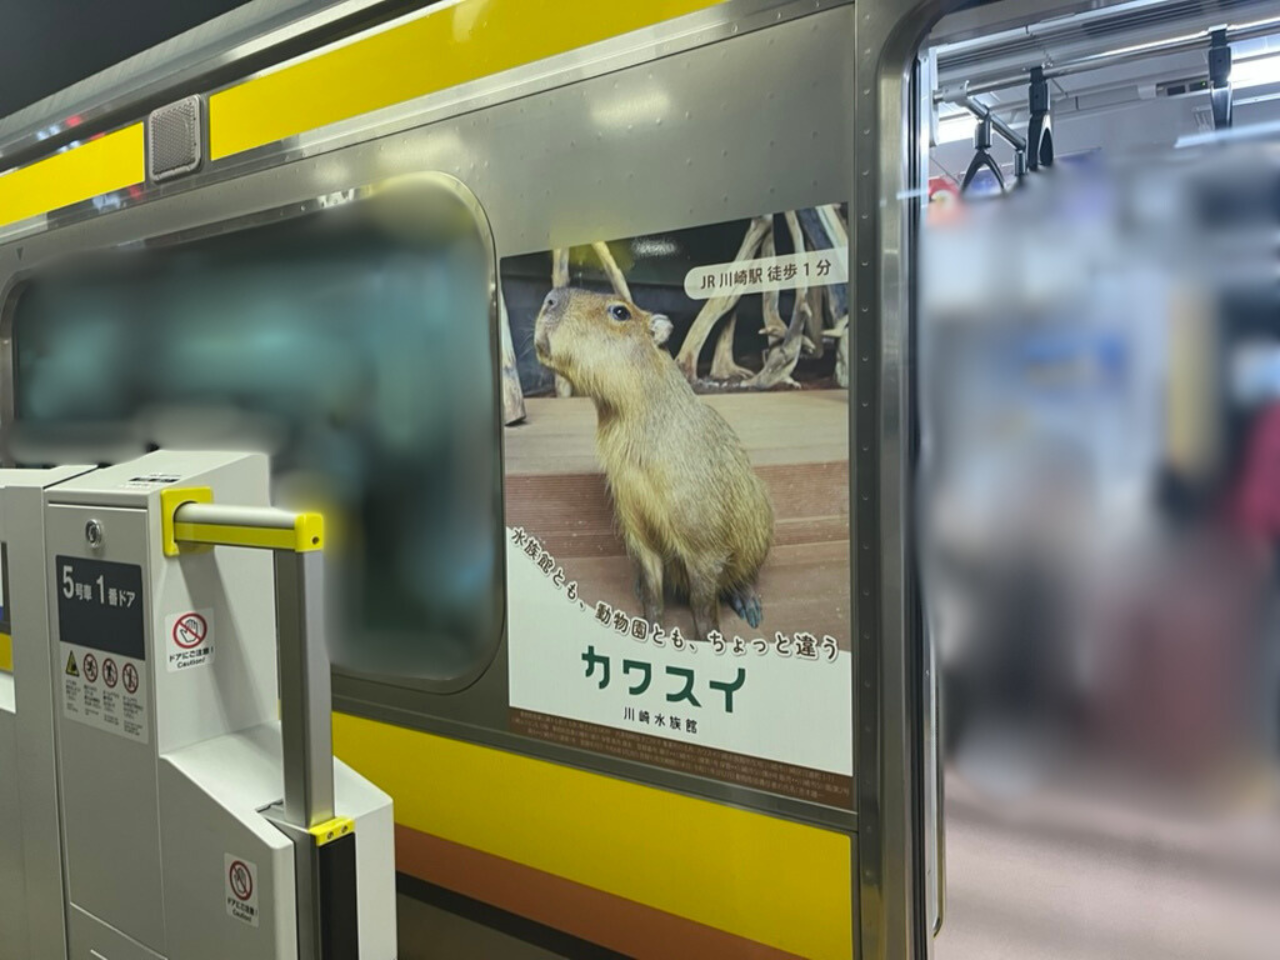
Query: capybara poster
[[677, 500]]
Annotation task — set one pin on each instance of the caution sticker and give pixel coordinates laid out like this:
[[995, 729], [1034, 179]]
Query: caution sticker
[[240, 878], [105, 691], [190, 639]]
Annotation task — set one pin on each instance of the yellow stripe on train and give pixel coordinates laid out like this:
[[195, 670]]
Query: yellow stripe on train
[[758, 877], [100, 166], [451, 45]]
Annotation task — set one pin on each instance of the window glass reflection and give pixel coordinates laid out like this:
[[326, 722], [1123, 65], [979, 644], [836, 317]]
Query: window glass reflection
[[358, 356]]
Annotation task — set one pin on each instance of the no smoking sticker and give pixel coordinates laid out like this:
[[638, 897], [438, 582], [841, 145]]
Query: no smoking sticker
[[240, 878], [191, 641]]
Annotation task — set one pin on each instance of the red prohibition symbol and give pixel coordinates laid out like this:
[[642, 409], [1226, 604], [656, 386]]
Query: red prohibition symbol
[[190, 630], [130, 678], [241, 880], [110, 674], [90, 663]]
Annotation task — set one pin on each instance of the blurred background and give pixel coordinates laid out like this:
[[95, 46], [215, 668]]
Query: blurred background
[[1099, 493]]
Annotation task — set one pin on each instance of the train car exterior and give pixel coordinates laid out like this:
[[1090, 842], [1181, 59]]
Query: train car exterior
[[567, 126]]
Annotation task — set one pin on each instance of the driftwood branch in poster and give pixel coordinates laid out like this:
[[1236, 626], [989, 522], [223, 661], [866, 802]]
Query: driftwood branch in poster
[[780, 362], [512, 396], [717, 307], [842, 353], [802, 283], [611, 270], [833, 220], [839, 332], [723, 366], [775, 328], [813, 321], [559, 279], [560, 267]]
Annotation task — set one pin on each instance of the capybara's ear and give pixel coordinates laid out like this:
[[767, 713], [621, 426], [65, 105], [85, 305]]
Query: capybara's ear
[[660, 328]]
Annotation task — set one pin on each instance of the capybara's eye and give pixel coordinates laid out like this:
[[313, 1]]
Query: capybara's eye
[[619, 312]]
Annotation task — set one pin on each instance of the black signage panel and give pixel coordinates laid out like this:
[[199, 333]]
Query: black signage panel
[[100, 606]]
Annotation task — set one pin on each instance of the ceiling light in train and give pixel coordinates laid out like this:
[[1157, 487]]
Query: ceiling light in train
[[956, 128], [1255, 72]]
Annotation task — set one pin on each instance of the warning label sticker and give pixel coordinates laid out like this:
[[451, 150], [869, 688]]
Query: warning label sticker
[[240, 878], [191, 641], [105, 692]]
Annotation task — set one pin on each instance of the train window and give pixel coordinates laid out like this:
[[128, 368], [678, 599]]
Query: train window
[[355, 343]]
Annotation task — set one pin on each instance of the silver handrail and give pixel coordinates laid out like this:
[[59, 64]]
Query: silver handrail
[[306, 695]]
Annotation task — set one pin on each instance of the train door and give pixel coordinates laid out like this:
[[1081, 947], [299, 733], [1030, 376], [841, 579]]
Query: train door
[[1096, 388]]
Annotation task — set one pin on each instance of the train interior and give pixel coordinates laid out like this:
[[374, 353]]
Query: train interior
[[1099, 569]]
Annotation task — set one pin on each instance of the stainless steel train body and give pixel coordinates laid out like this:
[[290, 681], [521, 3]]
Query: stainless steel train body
[[554, 125]]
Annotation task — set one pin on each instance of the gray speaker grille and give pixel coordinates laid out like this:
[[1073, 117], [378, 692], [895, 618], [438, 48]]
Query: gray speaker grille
[[175, 139]]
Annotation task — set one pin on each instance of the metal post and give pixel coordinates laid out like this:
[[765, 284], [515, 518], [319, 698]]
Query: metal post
[[1182, 44], [986, 114], [324, 857], [306, 696], [1040, 125], [1220, 79], [305, 693]]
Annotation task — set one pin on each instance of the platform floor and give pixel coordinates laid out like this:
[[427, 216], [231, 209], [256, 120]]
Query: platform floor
[[430, 933]]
